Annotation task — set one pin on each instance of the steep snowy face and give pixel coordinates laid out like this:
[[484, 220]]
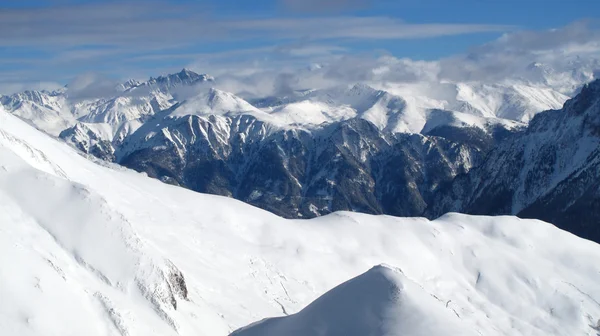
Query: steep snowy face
[[124, 108], [95, 249], [548, 172], [315, 107]]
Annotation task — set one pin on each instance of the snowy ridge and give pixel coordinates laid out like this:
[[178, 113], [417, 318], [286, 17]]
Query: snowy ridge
[[381, 301], [491, 276]]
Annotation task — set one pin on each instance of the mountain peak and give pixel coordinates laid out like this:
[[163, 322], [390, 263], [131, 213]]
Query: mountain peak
[[373, 303], [187, 73], [184, 77], [589, 95]]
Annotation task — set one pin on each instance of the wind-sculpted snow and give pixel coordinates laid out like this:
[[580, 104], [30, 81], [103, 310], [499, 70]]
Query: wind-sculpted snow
[[95, 249]]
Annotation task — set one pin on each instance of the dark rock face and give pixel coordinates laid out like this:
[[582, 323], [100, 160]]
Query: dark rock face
[[574, 204], [176, 282], [87, 141], [350, 165], [550, 172], [181, 79]]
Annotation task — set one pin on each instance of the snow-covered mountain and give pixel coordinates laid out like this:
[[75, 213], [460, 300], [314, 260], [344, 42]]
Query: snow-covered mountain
[[550, 172], [170, 82], [380, 148], [90, 248], [43, 109], [392, 107], [56, 111]]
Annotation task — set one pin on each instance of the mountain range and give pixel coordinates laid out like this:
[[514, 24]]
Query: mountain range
[[470, 147]]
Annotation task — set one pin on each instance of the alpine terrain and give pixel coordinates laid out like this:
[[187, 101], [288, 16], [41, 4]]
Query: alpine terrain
[[551, 171], [91, 248], [394, 150]]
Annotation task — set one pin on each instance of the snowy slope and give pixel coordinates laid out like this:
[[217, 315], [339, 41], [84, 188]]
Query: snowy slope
[[512, 100], [94, 249], [382, 301]]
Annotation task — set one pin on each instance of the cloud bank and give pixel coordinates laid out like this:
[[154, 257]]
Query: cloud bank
[[296, 52], [550, 58]]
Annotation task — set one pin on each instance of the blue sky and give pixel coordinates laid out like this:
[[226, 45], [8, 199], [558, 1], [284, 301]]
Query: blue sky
[[55, 40]]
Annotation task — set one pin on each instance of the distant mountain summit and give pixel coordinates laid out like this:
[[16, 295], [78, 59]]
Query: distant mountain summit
[[183, 78]]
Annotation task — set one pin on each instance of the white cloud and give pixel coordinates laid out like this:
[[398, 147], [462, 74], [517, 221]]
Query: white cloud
[[285, 65], [570, 53], [510, 56]]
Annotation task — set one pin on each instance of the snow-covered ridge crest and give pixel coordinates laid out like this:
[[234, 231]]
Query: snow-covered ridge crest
[[382, 301]]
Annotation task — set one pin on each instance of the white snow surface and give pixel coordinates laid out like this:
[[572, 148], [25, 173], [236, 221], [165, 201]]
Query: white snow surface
[[89, 248]]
